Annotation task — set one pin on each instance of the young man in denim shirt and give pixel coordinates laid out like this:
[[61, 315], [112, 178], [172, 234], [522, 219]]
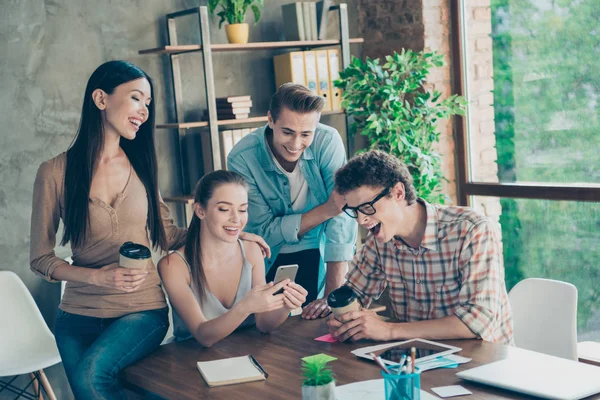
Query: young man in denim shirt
[[290, 165]]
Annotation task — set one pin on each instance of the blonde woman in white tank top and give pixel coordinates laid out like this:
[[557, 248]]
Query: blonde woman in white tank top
[[215, 290]]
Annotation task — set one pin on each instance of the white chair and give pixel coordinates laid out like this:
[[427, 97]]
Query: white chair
[[545, 316], [26, 344]]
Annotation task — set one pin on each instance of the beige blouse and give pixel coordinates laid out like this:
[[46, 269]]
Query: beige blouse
[[109, 228]]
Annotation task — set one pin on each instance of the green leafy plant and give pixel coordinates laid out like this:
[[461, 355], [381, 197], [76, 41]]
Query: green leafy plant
[[315, 370], [234, 11], [393, 109]]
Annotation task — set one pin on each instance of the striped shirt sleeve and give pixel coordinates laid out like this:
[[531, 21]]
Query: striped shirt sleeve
[[481, 275], [365, 274]]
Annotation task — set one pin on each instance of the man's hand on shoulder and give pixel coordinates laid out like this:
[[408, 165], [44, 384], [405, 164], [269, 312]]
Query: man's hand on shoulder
[[264, 247], [335, 203]]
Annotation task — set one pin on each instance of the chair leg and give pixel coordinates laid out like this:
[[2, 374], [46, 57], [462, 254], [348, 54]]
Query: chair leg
[[36, 387], [46, 385]]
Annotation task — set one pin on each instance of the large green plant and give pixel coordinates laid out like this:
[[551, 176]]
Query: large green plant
[[394, 110], [234, 11]]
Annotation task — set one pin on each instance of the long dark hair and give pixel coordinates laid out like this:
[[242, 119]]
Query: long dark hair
[[205, 188], [83, 154]]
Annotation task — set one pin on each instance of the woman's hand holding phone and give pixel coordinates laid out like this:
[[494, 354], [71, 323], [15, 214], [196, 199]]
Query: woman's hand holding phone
[[285, 272], [294, 296], [263, 298]]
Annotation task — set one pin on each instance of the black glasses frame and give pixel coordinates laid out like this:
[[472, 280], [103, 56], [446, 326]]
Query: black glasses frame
[[352, 212]]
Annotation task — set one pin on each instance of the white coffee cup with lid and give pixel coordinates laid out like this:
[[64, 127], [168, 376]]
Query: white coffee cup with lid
[[342, 300], [134, 255]]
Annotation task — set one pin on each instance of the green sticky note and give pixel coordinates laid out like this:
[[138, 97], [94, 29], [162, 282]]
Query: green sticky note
[[324, 358]]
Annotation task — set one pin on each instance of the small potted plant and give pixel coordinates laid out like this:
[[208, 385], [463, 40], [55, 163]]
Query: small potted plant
[[319, 383], [234, 12]]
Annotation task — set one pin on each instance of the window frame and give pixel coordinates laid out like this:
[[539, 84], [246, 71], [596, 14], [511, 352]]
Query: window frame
[[466, 187]]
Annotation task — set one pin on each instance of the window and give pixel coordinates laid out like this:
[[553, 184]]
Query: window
[[555, 240], [528, 148]]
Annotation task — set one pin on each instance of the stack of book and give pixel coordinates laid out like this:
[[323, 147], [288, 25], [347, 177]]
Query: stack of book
[[306, 20], [232, 107], [229, 138]]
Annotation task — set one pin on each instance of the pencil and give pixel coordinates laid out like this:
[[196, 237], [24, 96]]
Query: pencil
[[413, 355], [380, 363]]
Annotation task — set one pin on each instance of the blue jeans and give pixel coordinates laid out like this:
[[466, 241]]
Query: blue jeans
[[95, 350]]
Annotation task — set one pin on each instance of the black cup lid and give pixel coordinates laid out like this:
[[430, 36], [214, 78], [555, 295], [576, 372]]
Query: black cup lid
[[135, 251], [341, 297]]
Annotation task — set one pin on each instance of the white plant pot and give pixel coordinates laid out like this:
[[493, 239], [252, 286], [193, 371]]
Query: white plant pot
[[323, 392]]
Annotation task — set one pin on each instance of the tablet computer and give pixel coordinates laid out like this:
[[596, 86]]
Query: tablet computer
[[391, 353]]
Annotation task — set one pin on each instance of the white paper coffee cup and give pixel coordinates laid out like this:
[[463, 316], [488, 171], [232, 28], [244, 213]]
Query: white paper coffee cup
[[343, 300], [134, 255]]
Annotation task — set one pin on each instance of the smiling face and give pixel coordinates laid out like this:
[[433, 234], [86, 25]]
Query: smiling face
[[226, 212], [389, 215], [292, 134], [126, 108]]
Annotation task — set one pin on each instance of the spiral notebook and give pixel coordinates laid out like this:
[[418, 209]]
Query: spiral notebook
[[229, 371]]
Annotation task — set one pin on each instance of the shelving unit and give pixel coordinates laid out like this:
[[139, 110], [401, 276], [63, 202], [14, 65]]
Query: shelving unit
[[200, 124], [190, 48], [206, 48]]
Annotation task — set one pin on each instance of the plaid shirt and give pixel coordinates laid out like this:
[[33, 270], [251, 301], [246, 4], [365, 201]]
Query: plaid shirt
[[457, 270]]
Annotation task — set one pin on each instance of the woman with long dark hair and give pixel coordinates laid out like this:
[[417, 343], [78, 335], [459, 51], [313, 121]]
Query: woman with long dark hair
[[216, 283], [105, 190]]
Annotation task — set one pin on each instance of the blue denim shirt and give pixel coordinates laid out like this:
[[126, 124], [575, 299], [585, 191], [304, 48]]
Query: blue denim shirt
[[270, 212]]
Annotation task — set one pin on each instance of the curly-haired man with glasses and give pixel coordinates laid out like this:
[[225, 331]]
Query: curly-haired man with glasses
[[442, 264]]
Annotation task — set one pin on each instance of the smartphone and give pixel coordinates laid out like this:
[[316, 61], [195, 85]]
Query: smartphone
[[285, 272]]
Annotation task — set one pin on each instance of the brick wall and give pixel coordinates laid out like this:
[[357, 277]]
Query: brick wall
[[436, 21], [481, 116], [425, 24], [388, 25]]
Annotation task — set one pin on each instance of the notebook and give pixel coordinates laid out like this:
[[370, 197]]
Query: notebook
[[229, 371]]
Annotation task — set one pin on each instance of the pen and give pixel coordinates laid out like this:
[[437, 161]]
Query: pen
[[380, 363], [402, 361], [257, 365]]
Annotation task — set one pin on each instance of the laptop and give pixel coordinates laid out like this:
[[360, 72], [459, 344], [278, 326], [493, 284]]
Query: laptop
[[538, 375]]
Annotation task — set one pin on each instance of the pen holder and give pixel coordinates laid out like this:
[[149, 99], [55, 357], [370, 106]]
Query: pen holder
[[402, 386]]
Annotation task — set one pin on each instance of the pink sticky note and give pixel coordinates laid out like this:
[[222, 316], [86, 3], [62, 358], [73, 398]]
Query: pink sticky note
[[326, 338]]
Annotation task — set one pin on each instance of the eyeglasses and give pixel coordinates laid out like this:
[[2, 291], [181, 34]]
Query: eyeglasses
[[367, 208]]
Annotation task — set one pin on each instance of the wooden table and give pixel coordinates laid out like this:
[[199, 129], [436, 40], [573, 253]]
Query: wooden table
[[171, 371]]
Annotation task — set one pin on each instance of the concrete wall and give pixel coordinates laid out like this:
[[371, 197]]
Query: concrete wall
[[49, 49]]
